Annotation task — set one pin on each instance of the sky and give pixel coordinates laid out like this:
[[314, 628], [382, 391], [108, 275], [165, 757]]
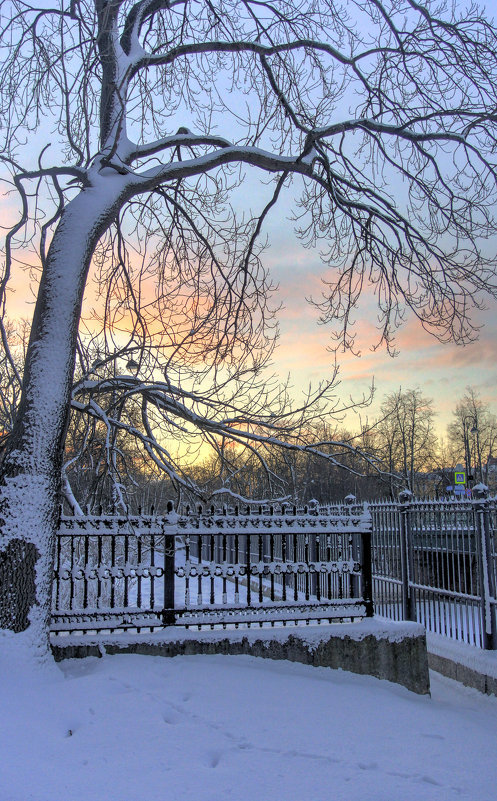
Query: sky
[[442, 372]]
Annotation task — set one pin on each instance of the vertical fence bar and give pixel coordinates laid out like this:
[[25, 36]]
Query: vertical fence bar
[[295, 574], [139, 576], [199, 569], [367, 573], [306, 560], [283, 559], [99, 567], [247, 562], [486, 573], [340, 558], [112, 575], [187, 574], [57, 578], [126, 562], [212, 559], [353, 580], [271, 560], [86, 549], [317, 556], [261, 560], [224, 560], [152, 568], [168, 617], [237, 579], [407, 562], [328, 575]]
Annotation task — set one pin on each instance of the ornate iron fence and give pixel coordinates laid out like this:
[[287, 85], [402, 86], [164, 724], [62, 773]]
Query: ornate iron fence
[[264, 567]]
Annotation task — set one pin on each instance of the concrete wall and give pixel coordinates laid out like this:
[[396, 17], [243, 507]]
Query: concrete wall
[[397, 655], [466, 675]]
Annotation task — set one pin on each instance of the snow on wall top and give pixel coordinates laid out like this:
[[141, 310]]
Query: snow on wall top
[[311, 636]]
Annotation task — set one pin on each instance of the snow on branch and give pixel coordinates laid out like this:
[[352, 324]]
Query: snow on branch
[[382, 115]]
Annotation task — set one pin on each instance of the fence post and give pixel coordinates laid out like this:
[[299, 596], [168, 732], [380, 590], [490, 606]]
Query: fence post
[[169, 530], [349, 502], [485, 567], [406, 556], [366, 561]]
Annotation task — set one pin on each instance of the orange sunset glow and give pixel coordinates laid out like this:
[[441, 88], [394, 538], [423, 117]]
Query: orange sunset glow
[[442, 371]]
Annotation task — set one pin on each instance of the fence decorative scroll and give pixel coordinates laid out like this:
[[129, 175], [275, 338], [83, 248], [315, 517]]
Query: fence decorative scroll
[[114, 573]]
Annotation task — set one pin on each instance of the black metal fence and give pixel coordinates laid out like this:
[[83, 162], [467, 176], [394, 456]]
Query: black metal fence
[[261, 567], [436, 562]]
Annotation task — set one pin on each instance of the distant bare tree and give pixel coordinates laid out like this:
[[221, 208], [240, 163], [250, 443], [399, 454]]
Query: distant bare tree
[[473, 435], [382, 113], [405, 438]]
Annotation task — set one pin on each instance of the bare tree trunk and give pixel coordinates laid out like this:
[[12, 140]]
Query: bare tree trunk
[[31, 468]]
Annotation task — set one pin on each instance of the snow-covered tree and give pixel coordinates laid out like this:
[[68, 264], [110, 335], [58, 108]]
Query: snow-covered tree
[[126, 127]]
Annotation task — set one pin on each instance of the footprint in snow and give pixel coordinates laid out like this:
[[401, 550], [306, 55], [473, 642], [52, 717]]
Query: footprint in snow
[[244, 745], [214, 758], [170, 717], [430, 780]]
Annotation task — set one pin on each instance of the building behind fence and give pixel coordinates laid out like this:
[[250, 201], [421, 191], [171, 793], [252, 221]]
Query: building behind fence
[[434, 562]]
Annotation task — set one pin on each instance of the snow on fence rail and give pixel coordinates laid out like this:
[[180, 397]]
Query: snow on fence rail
[[434, 562], [211, 569]]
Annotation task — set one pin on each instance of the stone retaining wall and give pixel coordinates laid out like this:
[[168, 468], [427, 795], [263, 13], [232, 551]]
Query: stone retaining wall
[[392, 651]]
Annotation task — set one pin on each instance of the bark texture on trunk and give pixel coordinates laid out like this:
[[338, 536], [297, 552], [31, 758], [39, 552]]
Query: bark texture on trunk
[[30, 470], [17, 580]]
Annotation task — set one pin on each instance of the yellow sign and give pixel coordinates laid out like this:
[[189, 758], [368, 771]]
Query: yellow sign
[[459, 478]]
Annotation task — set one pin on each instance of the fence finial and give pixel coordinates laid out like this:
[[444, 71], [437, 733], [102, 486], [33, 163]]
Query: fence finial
[[480, 491], [406, 496]]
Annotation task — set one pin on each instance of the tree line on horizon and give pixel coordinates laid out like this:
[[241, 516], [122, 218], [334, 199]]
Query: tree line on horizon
[[403, 448], [399, 449]]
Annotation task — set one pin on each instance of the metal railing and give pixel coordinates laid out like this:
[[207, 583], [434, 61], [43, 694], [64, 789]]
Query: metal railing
[[268, 567], [435, 562]]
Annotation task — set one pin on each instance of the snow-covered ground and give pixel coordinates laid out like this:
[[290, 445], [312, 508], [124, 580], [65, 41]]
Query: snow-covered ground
[[213, 728]]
